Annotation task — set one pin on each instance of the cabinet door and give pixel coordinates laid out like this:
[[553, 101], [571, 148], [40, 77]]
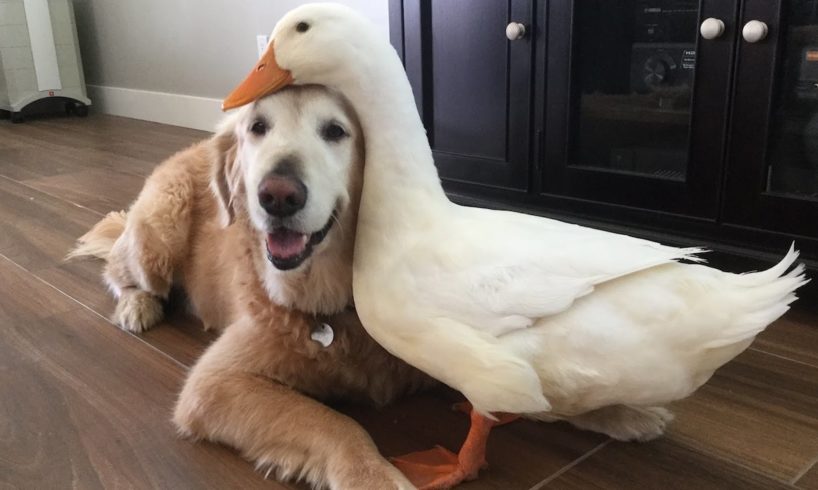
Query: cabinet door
[[772, 179], [472, 86], [636, 101]]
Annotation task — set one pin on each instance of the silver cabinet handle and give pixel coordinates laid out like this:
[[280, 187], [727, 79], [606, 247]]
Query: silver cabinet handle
[[712, 28], [754, 31], [515, 31]]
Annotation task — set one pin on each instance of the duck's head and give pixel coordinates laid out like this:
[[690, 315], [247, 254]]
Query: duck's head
[[313, 44]]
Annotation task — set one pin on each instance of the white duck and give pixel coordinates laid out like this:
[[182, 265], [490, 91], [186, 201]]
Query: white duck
[[522, 314]]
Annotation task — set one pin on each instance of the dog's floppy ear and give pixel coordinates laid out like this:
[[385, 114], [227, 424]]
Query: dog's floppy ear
[[225, 176]]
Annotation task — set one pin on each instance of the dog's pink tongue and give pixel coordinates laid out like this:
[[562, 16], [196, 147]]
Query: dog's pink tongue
[[284, 243]]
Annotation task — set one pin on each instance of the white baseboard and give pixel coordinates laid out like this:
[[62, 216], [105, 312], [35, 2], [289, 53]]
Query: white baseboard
[[175, 109]]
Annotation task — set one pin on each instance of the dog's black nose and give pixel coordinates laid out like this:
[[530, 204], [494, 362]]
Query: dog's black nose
[[282, 195]]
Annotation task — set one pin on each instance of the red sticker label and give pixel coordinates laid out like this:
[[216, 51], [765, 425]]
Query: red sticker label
[[51, 93]]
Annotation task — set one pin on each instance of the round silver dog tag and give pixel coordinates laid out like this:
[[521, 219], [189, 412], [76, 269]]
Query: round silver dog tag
[[323, 334]]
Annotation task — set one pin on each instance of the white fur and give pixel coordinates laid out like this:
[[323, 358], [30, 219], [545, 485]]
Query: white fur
[[326, 170], [296, 134]]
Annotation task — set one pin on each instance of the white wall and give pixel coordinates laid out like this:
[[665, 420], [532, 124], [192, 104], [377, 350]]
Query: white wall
[[136, 52]]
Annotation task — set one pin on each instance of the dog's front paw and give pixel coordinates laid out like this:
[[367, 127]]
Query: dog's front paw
[[369, 473], [386, 477], [137, 311]]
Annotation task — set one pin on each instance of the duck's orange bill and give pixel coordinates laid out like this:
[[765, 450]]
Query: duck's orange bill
[[266, 78]]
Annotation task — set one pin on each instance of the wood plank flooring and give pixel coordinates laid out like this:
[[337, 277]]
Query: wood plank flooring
[[85, 405]]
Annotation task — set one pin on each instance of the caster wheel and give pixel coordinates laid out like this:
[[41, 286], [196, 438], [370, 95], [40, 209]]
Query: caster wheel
[[76, 108], [17, 117]]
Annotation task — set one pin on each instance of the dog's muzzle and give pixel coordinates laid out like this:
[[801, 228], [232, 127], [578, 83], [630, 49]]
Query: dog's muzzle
[[287, 249]]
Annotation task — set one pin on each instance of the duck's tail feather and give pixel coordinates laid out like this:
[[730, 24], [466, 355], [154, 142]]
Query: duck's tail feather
[[99, 241], [766, 296], [775, 272], [691, 254]]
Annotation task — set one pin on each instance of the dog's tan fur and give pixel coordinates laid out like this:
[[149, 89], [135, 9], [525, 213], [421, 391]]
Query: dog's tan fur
[[257, 387]]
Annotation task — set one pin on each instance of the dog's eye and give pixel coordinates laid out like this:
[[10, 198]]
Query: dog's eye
[[259, 128], [333, 132], [302, 27]]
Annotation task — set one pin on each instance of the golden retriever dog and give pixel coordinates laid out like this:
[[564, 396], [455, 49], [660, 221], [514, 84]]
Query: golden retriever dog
[[257, 224]]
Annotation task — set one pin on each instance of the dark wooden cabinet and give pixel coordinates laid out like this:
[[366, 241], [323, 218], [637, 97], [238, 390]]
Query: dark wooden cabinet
[[772, 181], [660, 116], [639, 120], [473, 88]]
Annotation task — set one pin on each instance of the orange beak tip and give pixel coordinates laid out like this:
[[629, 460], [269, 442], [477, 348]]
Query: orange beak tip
[[265, 78]]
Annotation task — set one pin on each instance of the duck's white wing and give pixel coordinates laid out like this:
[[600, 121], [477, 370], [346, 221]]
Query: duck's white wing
[[506, 270]]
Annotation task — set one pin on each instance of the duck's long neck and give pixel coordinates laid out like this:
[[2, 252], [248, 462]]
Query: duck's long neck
[[399, 173]]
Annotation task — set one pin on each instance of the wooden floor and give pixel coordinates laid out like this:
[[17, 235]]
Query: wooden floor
[[85, 405]]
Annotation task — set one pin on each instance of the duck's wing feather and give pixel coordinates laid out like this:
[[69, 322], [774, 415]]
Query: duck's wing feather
[[515, 269]]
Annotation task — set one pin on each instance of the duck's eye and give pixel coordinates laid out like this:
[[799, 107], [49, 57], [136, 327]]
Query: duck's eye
[[259, 127], [333, 132], [302, 27]]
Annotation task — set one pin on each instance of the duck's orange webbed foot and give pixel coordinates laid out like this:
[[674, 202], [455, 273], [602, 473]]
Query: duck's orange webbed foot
[[440, 468], [436, 468]]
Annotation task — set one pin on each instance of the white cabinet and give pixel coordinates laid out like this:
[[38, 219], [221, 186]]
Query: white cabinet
[[39, 55]]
